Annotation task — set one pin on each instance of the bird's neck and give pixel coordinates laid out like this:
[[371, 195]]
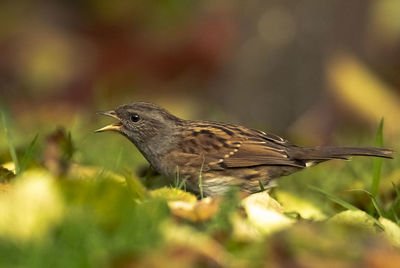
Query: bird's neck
[[156, 148]]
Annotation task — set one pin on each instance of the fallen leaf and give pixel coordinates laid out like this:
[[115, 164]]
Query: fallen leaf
[[173, 194], [31, 208], [356, 218], [304, 208], [201, 210], [264, 216], [391, 232]]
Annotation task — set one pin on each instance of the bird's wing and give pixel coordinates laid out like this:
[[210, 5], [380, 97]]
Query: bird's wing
[[229, 146]]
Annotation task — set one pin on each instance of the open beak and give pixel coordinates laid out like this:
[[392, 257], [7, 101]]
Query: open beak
[[115, 126]]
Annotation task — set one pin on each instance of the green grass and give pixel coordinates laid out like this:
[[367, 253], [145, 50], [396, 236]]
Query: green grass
[[179, 183], [201, 179], [375, 209], [335, 199], [106, 222], [377, 161], [101, 223], [29, 154], [10, 143]]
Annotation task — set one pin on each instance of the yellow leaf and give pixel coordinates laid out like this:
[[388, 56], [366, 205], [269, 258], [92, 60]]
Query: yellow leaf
[[264, 216], [354, 217], [201, 210], [10, 166], [31, 207], [173, 194], [392, 231], [306, 209]]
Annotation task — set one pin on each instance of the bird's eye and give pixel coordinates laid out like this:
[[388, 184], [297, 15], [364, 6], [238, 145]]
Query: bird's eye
[[135, 118]]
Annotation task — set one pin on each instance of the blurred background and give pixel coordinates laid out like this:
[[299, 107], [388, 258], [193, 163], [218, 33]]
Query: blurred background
[[315, 72], [310, 70]]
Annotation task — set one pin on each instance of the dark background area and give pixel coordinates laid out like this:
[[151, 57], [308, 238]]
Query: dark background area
[[276, 65]]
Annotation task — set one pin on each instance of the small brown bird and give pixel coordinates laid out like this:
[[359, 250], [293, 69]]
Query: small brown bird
[[214, 156]]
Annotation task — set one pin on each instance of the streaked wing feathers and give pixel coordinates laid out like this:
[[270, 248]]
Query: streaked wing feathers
[[225, 145], [255, 154]]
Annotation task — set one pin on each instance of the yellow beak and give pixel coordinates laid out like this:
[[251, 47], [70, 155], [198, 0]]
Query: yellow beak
[[115, 127]]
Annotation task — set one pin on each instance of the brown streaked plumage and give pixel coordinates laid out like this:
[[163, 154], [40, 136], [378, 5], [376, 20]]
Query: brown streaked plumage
[[220, 154]]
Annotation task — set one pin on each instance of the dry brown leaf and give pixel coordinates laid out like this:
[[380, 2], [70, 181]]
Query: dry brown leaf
[[201, 210]]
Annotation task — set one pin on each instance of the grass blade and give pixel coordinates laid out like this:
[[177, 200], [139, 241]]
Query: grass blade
[[68, 147], [262, 189], [334, 199], [28, 153], [396, 203], [11, 146], [178, 183], [395, 206], [343, 203], [377, 161], [375, 203], [378, 208], [394, 216], [201, 179]]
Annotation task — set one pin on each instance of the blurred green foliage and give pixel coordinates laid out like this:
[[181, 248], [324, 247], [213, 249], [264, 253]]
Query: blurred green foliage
[[101, 223]]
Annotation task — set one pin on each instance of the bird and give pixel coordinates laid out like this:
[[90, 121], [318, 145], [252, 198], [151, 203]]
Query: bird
[[211, 157]]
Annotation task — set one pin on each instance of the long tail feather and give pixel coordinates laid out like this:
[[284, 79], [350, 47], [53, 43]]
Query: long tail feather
[[333, 152]]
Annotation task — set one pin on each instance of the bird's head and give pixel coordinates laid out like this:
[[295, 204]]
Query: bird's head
[[141, 122]]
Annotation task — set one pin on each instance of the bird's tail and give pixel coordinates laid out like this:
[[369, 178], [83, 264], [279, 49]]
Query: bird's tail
[[323, 153]]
